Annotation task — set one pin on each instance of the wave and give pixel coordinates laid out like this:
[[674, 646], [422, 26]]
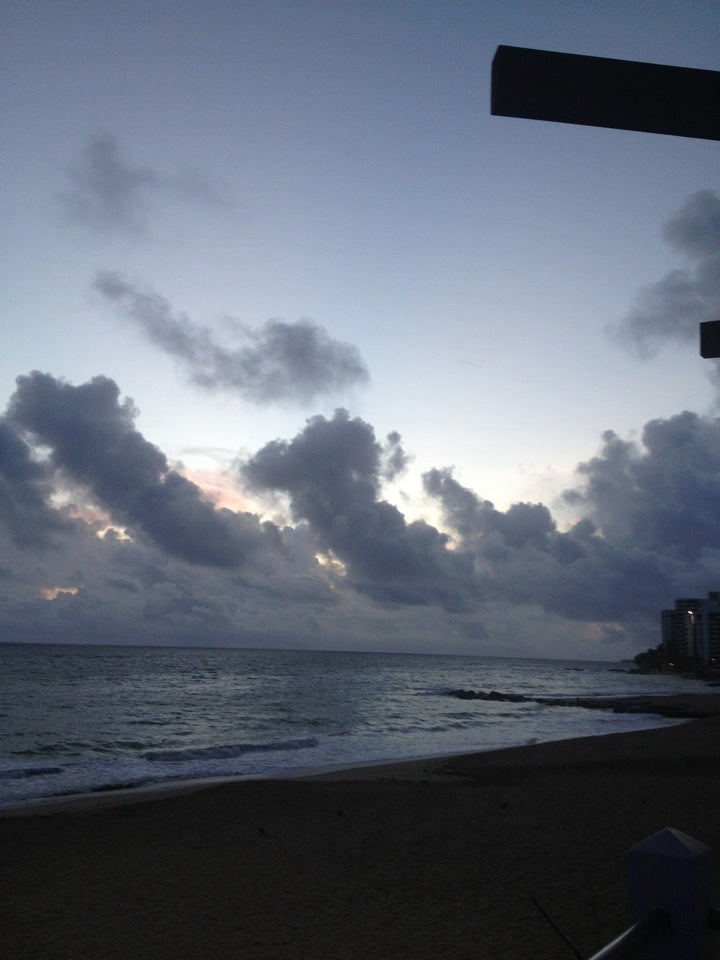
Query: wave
[[227, 751], [23, 773]]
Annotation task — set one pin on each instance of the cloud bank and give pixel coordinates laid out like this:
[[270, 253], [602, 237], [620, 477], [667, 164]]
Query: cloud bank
[[102, 540], [281, 362]]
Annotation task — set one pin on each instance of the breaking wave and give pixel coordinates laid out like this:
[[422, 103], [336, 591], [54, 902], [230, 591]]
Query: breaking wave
[[227, 751]]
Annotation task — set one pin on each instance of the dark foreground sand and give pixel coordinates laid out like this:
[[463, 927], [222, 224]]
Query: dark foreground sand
[[446, 858]]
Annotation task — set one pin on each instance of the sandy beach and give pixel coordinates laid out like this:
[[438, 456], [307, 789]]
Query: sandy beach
[[456, 857]]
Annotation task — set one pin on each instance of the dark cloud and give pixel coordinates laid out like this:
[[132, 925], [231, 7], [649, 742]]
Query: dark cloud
[[332, 473], [521, 558], [109, 194], [25, 488], [672, 308], [280, 362], [662, 495], [473, 518], [395, 459], [93, 439]]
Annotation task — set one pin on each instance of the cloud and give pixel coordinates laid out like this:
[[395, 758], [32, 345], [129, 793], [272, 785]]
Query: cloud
[[280, 362], [695, 228], [473, 518], [662, 495], [671, 309], [92, 438], [25, 488], [332, 473], [109, 194], [106, 193], [522, 559]]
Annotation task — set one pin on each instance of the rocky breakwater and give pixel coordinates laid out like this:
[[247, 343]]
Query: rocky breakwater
[[690, 707]]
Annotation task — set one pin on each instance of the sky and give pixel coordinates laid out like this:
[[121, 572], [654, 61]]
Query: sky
[[303, 348]]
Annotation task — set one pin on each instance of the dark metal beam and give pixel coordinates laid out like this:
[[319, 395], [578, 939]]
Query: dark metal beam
[[710, 339], [599, 92]]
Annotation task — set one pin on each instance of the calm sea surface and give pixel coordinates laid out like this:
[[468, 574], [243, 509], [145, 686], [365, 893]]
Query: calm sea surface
[[75, 719]]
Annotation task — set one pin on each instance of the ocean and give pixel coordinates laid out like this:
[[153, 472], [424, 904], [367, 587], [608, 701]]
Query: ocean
[[80, 719]]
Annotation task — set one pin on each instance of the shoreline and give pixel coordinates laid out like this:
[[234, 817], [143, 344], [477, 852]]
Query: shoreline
[[687, 707], [446, 856]]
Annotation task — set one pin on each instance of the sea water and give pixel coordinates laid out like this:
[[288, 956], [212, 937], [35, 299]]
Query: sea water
[[78, 719]]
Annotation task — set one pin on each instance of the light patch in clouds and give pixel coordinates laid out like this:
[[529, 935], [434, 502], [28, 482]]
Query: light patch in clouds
[[111, 530], [52, 593], [220, 489], [108, 193], [279, 362], [331, 564], [672, 308]]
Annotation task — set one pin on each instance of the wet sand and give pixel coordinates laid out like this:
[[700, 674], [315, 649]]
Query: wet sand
[[454, 857]]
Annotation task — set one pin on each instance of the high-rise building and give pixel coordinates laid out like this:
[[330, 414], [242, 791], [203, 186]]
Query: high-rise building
[[710, 630], [691, 631]]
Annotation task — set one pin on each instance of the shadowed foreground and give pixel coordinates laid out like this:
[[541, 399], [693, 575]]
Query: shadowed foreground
[[432, 859]]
